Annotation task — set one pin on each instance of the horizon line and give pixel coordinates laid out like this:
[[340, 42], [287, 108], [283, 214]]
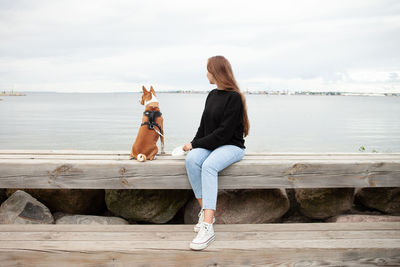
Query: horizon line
[[182, 90]]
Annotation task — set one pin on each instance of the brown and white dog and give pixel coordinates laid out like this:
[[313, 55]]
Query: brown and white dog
[[145, 146]]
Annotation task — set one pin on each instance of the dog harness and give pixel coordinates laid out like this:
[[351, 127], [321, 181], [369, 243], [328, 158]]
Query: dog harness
[[152, 116]]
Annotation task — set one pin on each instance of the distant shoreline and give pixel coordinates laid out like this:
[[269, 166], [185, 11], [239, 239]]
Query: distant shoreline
[[267, 93], [11, 94], [290, 93]]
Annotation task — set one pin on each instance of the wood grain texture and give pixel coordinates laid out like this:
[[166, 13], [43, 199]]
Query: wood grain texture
[[230, 257], [267, 227], [114, 170], [331, 244], [183, 236]]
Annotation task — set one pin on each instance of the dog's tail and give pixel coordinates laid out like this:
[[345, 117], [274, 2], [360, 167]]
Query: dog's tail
[[141, 157]]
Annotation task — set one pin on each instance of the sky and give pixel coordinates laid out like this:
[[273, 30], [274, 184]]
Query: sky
[[118, 46]]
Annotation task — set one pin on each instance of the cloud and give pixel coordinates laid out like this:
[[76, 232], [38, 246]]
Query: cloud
[[119, 45]]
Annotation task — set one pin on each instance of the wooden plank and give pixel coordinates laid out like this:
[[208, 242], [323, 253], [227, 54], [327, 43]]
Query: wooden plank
[[313, 244], [313, 231], [172, 175], [267, 227], [167, 154], [321, 158], [184, 236], [86, 169], [264, 156], [126, 152], [63, 152], [273, 157], [227, 257], [127, 246]]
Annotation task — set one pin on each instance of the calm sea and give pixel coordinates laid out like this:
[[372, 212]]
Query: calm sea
[[110, 121]]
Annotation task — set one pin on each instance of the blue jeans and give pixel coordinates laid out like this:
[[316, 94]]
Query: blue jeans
[[203, 165]]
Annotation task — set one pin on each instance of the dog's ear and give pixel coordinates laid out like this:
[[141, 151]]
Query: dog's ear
[[144, 89], [152, 90]]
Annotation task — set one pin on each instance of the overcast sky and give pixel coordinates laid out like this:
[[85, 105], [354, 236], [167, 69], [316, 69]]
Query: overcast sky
[[91, 46]]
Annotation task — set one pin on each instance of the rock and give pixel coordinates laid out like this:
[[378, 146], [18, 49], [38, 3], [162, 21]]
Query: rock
[[22, 208], [363, 218], [243, 206], [179, 217], [3, 195], [321, 203], [296, 217], [147, 205], [72, 201], [385, 199], [359, 208], [90, 219], [58, 215], [293, 215]]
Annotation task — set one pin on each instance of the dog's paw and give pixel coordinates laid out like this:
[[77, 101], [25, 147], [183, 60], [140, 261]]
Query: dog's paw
[[141, 157]]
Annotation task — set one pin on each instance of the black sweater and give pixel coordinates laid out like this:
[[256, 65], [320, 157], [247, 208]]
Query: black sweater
[[221, 122]]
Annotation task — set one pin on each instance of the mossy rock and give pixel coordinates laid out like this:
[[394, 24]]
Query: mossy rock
[[321, 203], [147, 205], [72, 201], [385, 199]]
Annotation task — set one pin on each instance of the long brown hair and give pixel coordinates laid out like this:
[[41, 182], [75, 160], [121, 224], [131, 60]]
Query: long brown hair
[[221, 69]]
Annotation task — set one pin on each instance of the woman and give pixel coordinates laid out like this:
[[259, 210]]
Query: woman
[[219, 142]]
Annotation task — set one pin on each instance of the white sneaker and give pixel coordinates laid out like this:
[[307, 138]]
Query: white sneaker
[[204, 237], [201, 219]]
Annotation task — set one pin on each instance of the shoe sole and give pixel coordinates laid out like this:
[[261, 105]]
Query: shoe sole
[[201, 246]]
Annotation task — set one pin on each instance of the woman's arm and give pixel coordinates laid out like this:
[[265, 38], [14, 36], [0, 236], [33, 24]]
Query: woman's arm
[[199, 134], [200, 130], [225, 130]]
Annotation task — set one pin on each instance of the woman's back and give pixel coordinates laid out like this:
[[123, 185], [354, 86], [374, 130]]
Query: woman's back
[[222, 121]]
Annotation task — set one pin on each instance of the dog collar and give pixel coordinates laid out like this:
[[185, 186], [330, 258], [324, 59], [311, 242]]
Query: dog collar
[[152, 100]]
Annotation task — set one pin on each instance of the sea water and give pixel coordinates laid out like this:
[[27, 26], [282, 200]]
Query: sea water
[[278, 123]]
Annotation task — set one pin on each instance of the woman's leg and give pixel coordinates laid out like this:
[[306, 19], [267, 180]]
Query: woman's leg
[[194, 160], [219, 159]]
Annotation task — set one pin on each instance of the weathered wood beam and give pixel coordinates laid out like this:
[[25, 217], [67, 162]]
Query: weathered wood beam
[[113, 170], [275, 244]]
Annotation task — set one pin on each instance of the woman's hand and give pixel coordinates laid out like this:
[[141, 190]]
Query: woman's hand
[[187, 147]]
